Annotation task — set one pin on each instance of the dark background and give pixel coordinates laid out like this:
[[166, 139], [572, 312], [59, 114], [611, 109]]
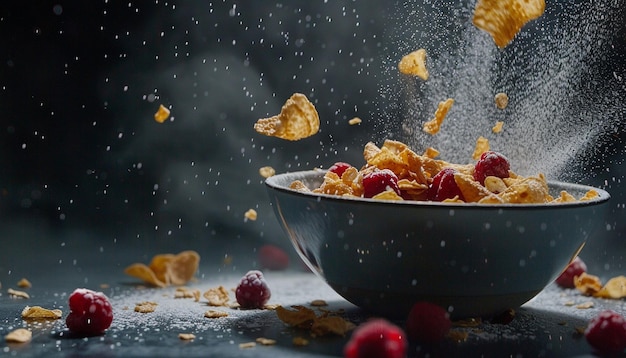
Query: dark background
[[82, 161]]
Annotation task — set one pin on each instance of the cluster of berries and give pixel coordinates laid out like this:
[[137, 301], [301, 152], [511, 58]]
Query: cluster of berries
[[443, 185]]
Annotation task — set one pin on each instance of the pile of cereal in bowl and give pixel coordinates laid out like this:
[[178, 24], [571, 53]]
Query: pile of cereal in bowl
[[395, 172]]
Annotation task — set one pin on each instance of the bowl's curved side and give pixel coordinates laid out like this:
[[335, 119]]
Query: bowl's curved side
[[382, 256]]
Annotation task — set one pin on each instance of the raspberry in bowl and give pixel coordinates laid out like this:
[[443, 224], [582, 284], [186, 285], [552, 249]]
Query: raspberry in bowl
[[472, 258]]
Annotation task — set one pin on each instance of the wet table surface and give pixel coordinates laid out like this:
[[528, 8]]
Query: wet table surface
[[547, 326]]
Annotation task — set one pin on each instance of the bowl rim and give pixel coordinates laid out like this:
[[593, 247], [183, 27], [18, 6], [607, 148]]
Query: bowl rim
[[272, 182]]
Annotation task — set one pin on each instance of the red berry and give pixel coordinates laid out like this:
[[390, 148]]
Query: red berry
[[252, 291], [575, 268], [491, 164], [339, 167], [90, 312], [273, 258], [607, 332], [428, 323], [379, 181], [376, 338], [444, 186]]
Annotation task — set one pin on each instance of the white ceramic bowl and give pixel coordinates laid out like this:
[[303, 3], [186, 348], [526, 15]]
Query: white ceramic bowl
[[474, 259]]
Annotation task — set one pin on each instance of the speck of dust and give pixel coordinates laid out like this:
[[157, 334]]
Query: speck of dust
[[560, 111]]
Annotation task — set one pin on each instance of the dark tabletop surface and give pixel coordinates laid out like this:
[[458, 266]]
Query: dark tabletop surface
[[546, 326]]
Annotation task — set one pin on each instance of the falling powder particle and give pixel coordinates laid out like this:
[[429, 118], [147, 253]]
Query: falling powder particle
[[543, 133]]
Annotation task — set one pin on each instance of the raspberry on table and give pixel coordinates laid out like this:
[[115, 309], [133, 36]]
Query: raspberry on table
[[491, 164], [607, 332], [428, 323], [252, 291], [376, 338], [339, 167], [379, 181], [90, 312], [444, 186], [575, 268]]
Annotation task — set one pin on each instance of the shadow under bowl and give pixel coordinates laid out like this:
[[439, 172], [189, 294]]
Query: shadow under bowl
[[473, 259]]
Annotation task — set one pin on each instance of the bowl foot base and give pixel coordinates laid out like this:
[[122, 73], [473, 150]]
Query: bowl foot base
[[398, 305]]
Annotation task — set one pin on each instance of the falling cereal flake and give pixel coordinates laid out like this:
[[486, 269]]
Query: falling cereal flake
[[497, 128], [251, 214], [162, 114], [354, 121], [24, 283], [433, 125], [298, 119], [501, 99], [482, 145], [267, 172], [414, 64], [503, 19]]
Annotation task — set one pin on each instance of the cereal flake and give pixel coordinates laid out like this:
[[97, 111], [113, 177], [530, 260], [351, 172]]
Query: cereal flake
[[298, 119], [432, 126], [162, 114], [414, 64], [503, 19]]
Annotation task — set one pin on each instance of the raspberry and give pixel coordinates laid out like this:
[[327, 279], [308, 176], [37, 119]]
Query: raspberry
[[252, 291], [575, 268], [444, 186], [273, 258], [491, 164], [90, 312], [379, 181], [428, 323], [339, 167], [377, 338], [607, 332]]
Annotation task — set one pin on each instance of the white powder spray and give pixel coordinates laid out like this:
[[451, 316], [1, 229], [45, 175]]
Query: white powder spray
[[564, 75]]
